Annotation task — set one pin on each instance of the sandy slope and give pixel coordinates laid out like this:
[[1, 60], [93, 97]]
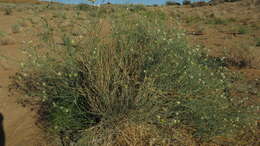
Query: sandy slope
[[19, 122]]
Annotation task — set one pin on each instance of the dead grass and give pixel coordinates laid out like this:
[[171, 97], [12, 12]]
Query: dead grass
[[139, 134], [6, 41], [243, 57]]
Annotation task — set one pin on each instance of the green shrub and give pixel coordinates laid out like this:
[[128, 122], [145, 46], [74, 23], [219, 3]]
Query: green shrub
[[258, 42], [8, 11], [170, 3], [136, 8], [186, 2], [143, 72], [231, 0], [193, 19], [16, 28], [2, 33], [199, 4], [217, 20], [242, 30], [84, 7]]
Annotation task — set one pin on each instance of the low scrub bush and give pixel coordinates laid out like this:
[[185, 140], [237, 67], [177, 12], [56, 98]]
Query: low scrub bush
[[186, 2], [141, 73], [199, 4], [242, 56], [258, 42], [242, 29], [8, 11], [16, 28], [217, 20], [84, 7], [172, 3], [6, 40]]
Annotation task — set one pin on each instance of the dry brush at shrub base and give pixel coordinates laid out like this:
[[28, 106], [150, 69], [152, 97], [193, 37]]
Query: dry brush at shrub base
[[140, 84]]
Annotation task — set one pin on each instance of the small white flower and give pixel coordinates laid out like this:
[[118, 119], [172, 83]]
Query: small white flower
[[22, 64], [174, 121]]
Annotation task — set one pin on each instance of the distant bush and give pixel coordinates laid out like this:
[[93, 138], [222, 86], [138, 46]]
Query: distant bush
[[218, 21], [136, 8], [242, 30], [186, 2], [84, 7], [8, 11], [216, 2], [243, 56], [170, 3], [16, 28], [5, 40], [258, 42], [232, 0], [199, 4]]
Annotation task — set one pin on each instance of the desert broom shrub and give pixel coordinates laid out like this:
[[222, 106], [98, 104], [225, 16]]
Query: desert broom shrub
[[141, 71]]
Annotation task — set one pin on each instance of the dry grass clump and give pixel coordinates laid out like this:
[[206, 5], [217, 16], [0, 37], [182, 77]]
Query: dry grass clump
[[243, 57], [128, 133], [6, 41]]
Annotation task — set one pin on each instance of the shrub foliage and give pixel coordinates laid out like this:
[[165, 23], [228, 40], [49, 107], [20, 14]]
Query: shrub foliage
[[138, 70]]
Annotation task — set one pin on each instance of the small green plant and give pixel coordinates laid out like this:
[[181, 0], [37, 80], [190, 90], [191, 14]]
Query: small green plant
[[60, 14], [84, 7], [258, 42], [6, 40], [2, 34], [171, 3], [193, 19], [186, 2], [136, 8], [16, 28], [199, 4], [217, 21], [242, 30], [8, 11]]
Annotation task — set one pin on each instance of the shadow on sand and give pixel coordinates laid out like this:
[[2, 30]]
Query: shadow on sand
[[2, 134]]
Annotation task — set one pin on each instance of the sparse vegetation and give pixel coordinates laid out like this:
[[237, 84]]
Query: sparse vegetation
[[258, 42], [193, 19], [242, 56], [217, 20], [16, 28], [6, 41], [171, 3], [199, 4], [2, 34], [143, 75], [186, 2], [8, 11], [242, 30]]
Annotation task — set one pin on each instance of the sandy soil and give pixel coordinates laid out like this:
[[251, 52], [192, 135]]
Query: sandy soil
[[19, 122]]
